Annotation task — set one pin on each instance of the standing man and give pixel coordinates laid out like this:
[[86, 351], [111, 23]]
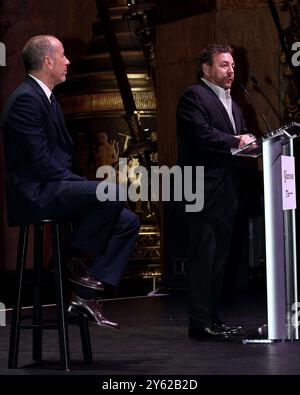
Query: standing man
[[43, 178], [209, 125]]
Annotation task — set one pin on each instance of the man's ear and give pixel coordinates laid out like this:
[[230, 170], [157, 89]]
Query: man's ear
[[205, 69], [49, 61]]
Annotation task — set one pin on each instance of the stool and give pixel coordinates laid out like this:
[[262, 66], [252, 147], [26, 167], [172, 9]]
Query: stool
[[38, 324]]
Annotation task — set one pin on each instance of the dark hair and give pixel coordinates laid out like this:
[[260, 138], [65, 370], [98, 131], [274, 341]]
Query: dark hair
[[35, 50], [207, 54]]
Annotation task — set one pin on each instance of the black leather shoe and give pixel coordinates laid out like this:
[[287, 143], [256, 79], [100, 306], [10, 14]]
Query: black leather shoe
[[208, 333], [233, 330], [91, 309], [78, 273]]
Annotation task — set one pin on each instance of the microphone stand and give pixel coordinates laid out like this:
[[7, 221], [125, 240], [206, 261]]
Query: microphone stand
[[256, 106], [255, 82]]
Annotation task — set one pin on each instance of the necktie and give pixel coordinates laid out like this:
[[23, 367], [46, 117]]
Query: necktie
[[64, 135], [54, 107]]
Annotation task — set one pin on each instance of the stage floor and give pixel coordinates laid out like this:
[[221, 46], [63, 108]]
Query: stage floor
[[153, 341]]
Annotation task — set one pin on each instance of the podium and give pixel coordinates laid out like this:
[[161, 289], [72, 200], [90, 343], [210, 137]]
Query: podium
[[280, 230]]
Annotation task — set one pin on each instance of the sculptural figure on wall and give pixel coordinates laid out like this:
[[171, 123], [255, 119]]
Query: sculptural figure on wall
[[107, 153]]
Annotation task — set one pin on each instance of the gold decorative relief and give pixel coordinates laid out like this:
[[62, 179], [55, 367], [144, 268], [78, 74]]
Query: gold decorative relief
[[225, 4], [106, 101]]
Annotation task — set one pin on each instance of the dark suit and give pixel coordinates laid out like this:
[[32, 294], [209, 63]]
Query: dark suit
[[205, 137], [43, 179]]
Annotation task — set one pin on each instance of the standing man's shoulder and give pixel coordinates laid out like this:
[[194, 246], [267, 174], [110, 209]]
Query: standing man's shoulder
[[198, 95], [197, 92], [196, 89]]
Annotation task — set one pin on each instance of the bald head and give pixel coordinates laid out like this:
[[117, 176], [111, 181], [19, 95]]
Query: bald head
[[44, 58], [35, 51]]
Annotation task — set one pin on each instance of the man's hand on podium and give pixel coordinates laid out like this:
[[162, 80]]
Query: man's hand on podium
[[245, 139]]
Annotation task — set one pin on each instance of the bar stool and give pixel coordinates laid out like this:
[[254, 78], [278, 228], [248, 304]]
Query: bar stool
[[38, 323]]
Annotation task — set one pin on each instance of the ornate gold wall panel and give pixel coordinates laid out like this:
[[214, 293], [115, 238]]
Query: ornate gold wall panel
[[225, 4], [105, 102]]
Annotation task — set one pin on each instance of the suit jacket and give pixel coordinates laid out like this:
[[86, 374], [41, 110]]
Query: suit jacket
[[205, 137], [38, 148]]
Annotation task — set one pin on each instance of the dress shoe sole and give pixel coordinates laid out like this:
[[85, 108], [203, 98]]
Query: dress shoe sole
[[208, 334], [217, 338], [232, 330], [76, 311], [94, 287], [239, 332]]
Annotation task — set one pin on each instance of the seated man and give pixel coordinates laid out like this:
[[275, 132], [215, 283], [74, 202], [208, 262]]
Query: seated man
[[43, 176]]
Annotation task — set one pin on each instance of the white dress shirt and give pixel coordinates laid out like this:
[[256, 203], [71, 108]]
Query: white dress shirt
[[225, 97], [43, 86]]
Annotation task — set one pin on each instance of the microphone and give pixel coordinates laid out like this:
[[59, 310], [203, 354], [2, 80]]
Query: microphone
[[256, 106], [255, 82]]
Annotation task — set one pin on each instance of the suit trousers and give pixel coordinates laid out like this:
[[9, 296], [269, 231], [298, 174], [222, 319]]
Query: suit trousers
[[106, 228], [208, 249]]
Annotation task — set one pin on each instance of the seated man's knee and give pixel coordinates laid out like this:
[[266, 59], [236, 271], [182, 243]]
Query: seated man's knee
[[136, 221], [132, 220]]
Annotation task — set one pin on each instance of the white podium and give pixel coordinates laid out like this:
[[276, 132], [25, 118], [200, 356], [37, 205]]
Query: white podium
[[280, 230]]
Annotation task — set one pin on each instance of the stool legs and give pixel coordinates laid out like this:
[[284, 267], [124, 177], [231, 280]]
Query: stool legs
[[85, 339], [17, 309], [62, 324], [37, 316], [37, 311]]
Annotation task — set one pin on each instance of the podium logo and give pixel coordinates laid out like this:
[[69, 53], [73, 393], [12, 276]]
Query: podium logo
[[2, 314], [287, 176], [2, 54]]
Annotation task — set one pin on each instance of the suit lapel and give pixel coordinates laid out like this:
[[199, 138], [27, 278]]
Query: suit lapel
[[59, 124], [224, 113], [65, 134], [220, 106], [236, 117]]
